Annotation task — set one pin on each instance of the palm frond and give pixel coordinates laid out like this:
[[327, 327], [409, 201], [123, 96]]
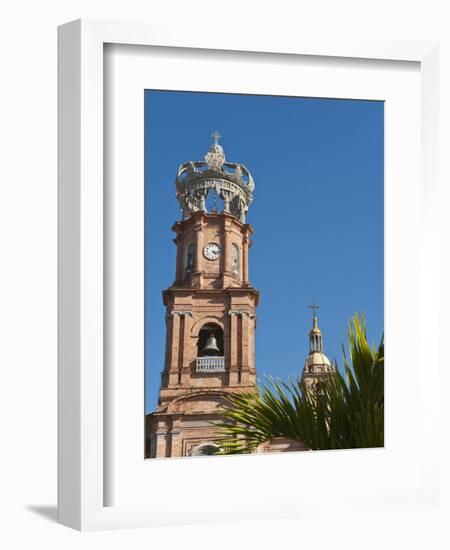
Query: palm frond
[[344, 411]]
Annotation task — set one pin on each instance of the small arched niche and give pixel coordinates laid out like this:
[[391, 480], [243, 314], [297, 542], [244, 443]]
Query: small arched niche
[[235, 260], [189, 252], [212, 334]]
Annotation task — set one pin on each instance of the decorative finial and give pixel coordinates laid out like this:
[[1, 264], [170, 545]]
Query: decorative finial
[[314, 307], [216, 136], [215, 157], [315, 336]]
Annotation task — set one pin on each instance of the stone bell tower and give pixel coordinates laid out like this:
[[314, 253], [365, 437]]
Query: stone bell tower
[[210, 308]]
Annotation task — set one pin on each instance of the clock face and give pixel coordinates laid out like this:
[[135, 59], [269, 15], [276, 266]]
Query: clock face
[[212, 251]]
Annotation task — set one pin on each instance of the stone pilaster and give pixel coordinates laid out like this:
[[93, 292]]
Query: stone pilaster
[[173, 369], [197, 275], [179, 272], [234, 358], [226, 267], [245, 247], [177, 339], [187, 350]]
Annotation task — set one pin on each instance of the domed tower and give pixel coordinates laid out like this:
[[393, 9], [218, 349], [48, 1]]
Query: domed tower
[[210, 307], [317, 364]]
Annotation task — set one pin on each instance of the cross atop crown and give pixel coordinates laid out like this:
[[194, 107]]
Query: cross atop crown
[[216, 136]]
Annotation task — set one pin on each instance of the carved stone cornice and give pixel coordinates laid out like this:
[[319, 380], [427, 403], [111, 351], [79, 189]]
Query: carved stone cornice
[[182, 313], [179, 313], [241, 313]]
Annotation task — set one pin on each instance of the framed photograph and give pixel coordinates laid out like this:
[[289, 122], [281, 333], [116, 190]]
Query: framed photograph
[[231, 294], [230, 216]]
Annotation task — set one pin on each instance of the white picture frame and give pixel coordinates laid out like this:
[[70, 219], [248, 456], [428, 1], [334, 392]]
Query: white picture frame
[[82, 484]]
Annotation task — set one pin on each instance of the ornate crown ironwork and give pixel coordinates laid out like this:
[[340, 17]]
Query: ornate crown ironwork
[[230, 182]]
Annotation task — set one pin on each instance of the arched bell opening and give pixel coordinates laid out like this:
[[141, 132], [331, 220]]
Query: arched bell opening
[[210, 341]]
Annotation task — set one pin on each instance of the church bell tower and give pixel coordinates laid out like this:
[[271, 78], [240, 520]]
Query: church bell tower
[[210, 308], [317, 365]]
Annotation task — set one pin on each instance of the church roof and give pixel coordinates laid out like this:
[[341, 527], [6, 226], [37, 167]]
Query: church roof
[[317, 358]]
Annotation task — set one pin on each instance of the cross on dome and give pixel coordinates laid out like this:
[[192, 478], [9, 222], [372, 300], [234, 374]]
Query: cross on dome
[[314, 307]]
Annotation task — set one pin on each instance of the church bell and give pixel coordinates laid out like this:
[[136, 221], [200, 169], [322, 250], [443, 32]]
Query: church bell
[[211, 347]]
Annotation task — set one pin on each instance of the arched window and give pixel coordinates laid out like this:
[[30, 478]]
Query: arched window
[[317, 343], [189, 258], [210, 341], [235, 268]]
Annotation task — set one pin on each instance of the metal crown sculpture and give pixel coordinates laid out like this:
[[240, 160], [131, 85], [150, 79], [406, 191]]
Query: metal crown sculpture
[[229, 181]]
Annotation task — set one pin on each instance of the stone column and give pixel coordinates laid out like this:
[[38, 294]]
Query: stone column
[[245, 340], [240, 343], [226, 266], [198, 245], [150, 451], [168, 352], [180, 257], [161, 438], [245, 246], [233, 348], [251, 347], [181, 343], [176, 439], [173, 373], [187, 349], [196, 277]]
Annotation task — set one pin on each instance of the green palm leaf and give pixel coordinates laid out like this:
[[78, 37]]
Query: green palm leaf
[[342, 412]]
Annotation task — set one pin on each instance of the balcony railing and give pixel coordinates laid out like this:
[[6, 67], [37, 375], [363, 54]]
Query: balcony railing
[[210, 364]]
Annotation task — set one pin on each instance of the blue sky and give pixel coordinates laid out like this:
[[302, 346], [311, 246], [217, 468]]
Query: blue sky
[[317, 214]]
